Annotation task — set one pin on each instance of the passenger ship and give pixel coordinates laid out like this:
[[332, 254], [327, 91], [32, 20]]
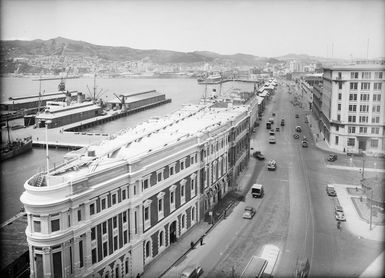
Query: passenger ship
[[112, 208]]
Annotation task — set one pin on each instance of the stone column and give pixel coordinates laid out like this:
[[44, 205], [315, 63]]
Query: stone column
[[66, 259], [47, 262], [76, 257], [32, 264], [87, 252]]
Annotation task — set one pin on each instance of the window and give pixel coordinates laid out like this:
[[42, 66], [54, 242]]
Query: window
[[193, 183], [366, 75], [378, 75], [114, 198], [145, 184], [377, 86], [92, 209], [182, 165], [352, 108], [339, 75], [79, 214], [36, 226], [192, 160], [161, 238], [182, 191], [353, 97], [354, 75], [147, 249], [339, 117], [114, 222], [94, 256], [55, 225], [105, 249], [336, 140], [351, 119], [353, 85], [351, 142], [376, 108], [375, 120], [104, 228], [375, 130], [124, 192], [171, 170], [364, 108], [81, 253], [363, 129], [159, 176], [351, 129], [125, 237], [339, 96], [364, 97], [376, 97], [93, 233], [147, 214], [364, 119], [124, 216], [115, 243], [374, 143], [339, 85], [365, 86], [160, 197], [103, 203], [172, 197], [339, 107]]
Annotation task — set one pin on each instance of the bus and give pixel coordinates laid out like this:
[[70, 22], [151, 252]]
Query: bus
[[254, 268]]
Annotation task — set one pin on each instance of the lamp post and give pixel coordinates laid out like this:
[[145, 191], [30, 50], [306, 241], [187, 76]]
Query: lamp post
[[47, 122]]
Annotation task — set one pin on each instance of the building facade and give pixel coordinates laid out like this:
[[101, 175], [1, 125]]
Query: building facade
[[112, 208], [353, 108]]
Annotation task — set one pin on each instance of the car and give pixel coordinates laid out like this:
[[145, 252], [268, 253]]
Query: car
[[298, 128], [296, 135], [258, 155], [248, 213], [305, 144], [272, 139], [282, 122], [330, 191], [332, 157], [277, 129], [340, 216], [306, 120], [192, 272], [273, 114], [271, 132], [302, 268], [272, 165], [296, 115], [338, 206]]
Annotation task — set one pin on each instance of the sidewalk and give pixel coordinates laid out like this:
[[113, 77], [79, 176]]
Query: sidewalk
[[354, 223]]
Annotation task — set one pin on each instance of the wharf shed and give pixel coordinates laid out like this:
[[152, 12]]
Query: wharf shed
[[136, 100]]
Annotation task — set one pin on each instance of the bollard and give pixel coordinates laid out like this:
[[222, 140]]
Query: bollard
[[192, 245]]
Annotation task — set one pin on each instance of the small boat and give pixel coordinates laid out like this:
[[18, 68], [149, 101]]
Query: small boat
[[15, 147]]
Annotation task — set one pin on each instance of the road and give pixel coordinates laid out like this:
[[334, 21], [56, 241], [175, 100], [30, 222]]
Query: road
[[295, 213]]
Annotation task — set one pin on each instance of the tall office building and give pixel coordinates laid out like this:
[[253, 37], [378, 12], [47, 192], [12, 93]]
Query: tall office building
[[353, 108]]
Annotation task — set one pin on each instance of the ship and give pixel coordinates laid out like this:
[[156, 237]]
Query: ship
[[211, 79], [15, 147]]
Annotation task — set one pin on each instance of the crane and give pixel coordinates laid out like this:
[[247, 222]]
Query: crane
[[121, 98]]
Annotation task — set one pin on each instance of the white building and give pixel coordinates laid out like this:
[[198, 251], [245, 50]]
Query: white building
[[114, 207], [353, 108]]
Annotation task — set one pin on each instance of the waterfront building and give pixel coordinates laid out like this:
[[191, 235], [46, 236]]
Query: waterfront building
[[353, 108], [112, 208]]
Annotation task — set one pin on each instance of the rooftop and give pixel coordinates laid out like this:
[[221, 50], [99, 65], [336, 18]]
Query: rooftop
[[136, 96], [357, 67]]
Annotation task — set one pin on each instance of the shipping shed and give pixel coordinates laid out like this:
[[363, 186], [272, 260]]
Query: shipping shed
[[137, 100]]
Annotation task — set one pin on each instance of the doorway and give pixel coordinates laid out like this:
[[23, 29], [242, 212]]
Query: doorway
[[173, 236]]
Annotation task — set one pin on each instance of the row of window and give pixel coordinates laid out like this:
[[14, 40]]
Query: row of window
[[361, 119], [364, 129], [352, 142], [377, 86], [365, 75], [363, 108], [363, 97]]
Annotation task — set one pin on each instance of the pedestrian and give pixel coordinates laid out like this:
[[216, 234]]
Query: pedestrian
[[138, 275], [339, 225], [225, 213], [201, 240], [192, 245]]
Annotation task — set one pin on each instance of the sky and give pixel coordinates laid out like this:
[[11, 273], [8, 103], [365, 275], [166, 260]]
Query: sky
[[327, 28]]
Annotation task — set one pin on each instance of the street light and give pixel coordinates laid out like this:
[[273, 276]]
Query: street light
[[47, 122]]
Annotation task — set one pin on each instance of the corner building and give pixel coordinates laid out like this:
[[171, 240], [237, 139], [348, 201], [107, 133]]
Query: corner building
[[112, 208], [353, 108]]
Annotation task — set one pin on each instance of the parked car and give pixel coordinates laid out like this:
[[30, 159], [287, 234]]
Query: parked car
[[332, 157], [296, 115], [340, 216], [248, 213], [330, 191], [302, 268], [282, 122], [298, 128], [192, 272], [258, 155], [305, 144], [271, 132], [273, 114], [272, 139], [277, 129], [296, 135], [272, 165]]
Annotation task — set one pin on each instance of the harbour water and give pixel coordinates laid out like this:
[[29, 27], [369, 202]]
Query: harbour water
[[16, 171]]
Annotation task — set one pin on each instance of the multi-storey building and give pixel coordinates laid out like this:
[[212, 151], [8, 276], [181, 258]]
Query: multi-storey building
[[353, 108], [112, 208]]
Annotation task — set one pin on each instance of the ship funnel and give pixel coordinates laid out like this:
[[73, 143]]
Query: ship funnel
[[80, 97]]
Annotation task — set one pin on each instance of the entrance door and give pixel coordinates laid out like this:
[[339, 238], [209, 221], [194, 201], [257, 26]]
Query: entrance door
[[173, 236], [362, 144]]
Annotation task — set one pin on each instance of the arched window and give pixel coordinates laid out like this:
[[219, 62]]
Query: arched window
[[183, 221], [147, 249], [161, 238], [192, 214]]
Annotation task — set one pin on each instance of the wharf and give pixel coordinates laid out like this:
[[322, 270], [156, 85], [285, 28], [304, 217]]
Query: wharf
[[227, 80], [70, 136]]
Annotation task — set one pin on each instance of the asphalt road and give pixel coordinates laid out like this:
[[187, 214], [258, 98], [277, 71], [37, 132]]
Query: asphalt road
[[295, 213]]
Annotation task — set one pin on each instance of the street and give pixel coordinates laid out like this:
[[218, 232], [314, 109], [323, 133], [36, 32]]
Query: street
[[295, 213]]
